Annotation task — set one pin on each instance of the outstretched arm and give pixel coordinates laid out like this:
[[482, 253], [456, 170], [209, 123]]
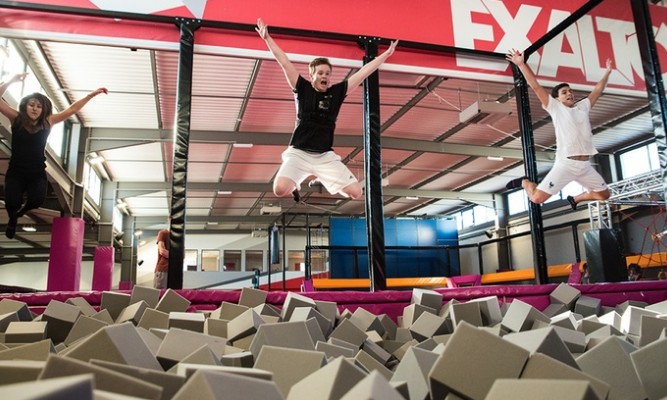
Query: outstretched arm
[[6, 109], [75, 107], [599, 87], [291, 74], [355, 80], [516, 57]]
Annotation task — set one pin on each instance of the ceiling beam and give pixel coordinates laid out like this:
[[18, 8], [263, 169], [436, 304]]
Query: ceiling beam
[[106, 138]]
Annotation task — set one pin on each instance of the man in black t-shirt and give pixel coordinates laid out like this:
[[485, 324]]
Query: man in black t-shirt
[[310, 151]]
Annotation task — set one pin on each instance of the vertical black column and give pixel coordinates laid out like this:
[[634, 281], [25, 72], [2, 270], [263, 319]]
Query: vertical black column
[[181, 146], [653, 78], [373, 174], [530, 167]]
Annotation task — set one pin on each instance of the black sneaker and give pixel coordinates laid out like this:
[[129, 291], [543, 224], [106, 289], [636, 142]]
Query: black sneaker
[[11, 228], [296, 195], [573, 203], [515, 183]]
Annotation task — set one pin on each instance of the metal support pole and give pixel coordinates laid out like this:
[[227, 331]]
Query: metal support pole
[[653, 78], [373, 173], [181, 147], [530, 167]]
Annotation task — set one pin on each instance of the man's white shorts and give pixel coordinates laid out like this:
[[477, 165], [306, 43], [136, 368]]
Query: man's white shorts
[[327, 167], [566, 170]]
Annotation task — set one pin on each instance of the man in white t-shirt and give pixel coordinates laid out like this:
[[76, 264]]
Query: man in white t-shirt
[[574, 140]]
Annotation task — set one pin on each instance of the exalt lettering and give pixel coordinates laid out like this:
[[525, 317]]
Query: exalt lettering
[[578, 47]]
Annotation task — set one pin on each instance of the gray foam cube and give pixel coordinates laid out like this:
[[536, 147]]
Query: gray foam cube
[[115, 343], [216, 384], [16, 371], [293, 300], [610, 362], [545, 341], [302, 363], [252, 297], [544, 389], [188, 321], [38, 351], [427, 298], [649, 362], [154, 319], [172, 302], [565, 294], [587, 306], [67, 388], [13, 306], [373, 386], [541, 366], [132, 313], [329, 382], [144, 293], [170, 383], [114, 303], [60, 318], [521, 316], [472, 352], [179, 343], [84, 306], [83, 327], [25, 332], [292, 335], [414, 369]]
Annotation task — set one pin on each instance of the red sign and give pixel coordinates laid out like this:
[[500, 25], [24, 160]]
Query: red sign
[[577, 55]]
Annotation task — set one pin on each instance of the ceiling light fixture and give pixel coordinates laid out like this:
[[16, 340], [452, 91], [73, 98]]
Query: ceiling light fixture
[[242, 145], [224, 192], [29, 228], [495, 158], [412, 198]]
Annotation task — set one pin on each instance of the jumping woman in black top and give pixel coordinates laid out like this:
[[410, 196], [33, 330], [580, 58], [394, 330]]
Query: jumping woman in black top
[[30, 126]]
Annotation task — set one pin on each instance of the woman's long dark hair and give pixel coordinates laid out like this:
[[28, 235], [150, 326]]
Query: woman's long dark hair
[[43, 120]]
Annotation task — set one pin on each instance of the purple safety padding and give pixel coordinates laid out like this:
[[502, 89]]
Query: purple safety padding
[[65, 254], [103, 268]]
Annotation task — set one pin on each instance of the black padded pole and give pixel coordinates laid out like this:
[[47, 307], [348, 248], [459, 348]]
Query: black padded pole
[[530, 167], [181, 146], [654, 85], [373, 174]]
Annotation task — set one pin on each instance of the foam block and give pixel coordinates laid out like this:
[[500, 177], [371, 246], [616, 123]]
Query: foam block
[[170, 383], [16, 371], [649, 362], [179, 343], [541, 366], [243, 359], [469, 312], [414, 369], [144, 293], [412, 312], [566, 295], [350, 333], [293, 300], [333, 351], [545, 341], [586, 306], [291, 335], [428, 325], [631, 319], [38, 351], [369, 363], [252, 297], [489, 307], [83, 327], [5, 319], [228, 311], [172, 302], [84, 306], [114, 303], [301, 362], [68, 388], [213, 384], [115, 343], [544, 389], [105, 379], [188, 321], [25, 332], [329, 382], [610, 362], [60, 318], [427, 298], [373, 386], [245, 324], [521, 316], [21, 309], [154, 319], [202, 356], [132, 313], [366, 321], [472, 352], [651, 328], [215, 327]]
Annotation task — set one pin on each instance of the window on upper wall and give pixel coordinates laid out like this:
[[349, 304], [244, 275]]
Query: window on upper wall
[[640, 160], [93, 183], [210, 260]]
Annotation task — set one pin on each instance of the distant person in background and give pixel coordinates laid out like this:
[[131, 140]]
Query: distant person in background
[[662, 275], [634, 272], [30, 125], [255, 278], [162, 265]]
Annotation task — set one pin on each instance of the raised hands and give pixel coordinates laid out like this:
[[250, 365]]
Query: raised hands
[[515, 57], [262, 29]]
